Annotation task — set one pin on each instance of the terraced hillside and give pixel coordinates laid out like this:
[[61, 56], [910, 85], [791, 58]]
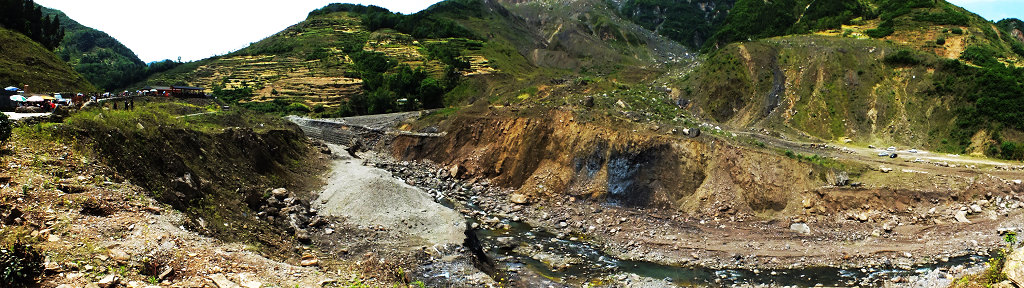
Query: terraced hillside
[[310, 62]]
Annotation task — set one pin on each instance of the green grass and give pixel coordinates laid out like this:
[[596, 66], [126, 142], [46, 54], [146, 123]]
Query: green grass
[[25, 62]]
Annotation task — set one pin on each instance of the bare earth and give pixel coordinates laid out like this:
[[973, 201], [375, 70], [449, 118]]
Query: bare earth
[[371, 197]]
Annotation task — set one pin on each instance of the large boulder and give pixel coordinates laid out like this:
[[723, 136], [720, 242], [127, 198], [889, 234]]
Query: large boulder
[[1014, 267]]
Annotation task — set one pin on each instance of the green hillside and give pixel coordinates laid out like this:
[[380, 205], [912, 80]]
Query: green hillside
[[100, 58], [943, 78], [26, 62]]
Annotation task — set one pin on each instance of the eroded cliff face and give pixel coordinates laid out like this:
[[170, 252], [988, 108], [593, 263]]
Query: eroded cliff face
[[557, 155]]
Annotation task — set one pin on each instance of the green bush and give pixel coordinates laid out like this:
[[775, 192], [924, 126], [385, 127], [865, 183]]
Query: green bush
[[1011, 150], [883, 30], [20, 265], [981, 56], [957, 31], [903, 57], [940, 41], [5, 128]]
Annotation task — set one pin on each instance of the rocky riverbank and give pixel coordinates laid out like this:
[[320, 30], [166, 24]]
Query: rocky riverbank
[[878, 246]]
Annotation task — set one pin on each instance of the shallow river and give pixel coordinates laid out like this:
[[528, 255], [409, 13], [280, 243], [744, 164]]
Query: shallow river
[[524, 247]]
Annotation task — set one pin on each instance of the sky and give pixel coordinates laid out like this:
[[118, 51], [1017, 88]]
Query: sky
[[197, 29], [994, 10]]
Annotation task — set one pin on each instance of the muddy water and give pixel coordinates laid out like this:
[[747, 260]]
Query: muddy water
[[577, 263]]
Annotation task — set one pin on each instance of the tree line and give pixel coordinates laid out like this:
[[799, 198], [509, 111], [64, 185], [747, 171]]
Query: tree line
[[25, 17]]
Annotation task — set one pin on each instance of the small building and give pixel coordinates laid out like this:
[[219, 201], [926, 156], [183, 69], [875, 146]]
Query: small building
[[176, 91]]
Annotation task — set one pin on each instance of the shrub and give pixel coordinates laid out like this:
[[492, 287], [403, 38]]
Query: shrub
[[957, 31], [940, 41], [981, 56], [903, 57], [883, 30], [20, 264], [5, 128]]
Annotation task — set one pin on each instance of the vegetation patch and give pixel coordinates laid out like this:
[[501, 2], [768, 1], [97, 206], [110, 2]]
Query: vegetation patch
[[20, 265]]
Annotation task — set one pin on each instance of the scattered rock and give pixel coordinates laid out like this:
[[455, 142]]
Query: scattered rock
[[808, 203], [621, 104], [222, 282], [52, 267], [309, 260], [801, 228], [519, 199], [975, 208], [280, 193], [245, 280], [108, 281], [506, 242], [862, 216], [456, 171], [888, 226], [119, 255], [961, 216], [166, 272]]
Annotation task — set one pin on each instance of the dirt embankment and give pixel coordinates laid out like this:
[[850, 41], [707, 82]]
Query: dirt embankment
[[556, 155], [219, 178]]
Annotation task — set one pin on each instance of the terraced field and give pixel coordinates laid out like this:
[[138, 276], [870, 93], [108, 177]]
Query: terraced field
[[308, 62]]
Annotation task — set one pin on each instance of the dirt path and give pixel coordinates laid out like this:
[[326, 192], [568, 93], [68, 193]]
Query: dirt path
[[369, 196]]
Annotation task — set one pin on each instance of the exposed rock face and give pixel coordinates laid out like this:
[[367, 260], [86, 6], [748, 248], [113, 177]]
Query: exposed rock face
[[1017, 34], [556, 155]]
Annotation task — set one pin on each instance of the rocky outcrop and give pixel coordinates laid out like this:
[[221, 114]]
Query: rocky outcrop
[[1014, 267]]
